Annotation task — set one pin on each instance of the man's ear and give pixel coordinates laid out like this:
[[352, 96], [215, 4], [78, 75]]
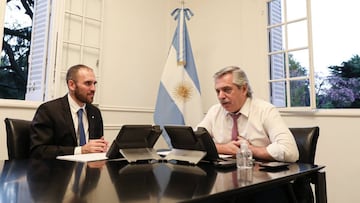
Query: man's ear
[[71, 84], [244, 88]]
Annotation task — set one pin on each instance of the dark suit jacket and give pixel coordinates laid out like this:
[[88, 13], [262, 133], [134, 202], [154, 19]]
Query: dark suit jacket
[[53, 132]]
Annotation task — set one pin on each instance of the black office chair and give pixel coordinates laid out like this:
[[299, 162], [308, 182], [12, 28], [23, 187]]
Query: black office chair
[[306, 141], [18, 138]]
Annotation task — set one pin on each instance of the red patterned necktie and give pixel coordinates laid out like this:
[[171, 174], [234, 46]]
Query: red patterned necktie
[[235, 133]]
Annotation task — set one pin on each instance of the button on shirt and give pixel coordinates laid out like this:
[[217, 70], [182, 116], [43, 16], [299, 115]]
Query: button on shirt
[[74, 108], [260, 123]]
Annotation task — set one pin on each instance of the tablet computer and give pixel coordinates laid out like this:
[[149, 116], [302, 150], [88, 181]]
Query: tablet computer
[[184, 137], [134, 136]]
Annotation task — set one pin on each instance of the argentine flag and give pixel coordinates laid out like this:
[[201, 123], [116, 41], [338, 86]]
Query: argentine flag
[[179, 96]]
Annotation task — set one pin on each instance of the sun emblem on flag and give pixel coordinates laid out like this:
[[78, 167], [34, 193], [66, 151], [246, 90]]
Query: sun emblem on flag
[[183, 91]]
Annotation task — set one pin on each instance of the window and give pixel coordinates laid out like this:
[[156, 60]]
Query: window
[[313, 54], [42, 38], [336, 53], [291, 83], [80, 41], [40, 46], [16, 48]]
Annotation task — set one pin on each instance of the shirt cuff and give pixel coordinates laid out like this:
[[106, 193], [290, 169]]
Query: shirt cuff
[[77, 150]]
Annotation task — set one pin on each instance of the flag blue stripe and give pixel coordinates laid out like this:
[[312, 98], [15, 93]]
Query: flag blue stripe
[[176, 41], [167, 112], [190, 64]]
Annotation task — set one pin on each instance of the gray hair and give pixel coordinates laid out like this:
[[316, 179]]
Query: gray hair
[[239, 77]]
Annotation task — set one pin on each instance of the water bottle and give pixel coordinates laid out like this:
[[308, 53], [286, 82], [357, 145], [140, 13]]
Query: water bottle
[[244, 158]]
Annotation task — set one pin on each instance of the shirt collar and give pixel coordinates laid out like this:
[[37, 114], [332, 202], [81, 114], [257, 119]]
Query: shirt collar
[[74, 107], [245, 109]]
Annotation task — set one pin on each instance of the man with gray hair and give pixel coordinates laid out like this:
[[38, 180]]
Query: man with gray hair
[[239, 116]]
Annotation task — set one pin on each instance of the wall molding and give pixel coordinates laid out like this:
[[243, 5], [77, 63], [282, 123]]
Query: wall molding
[[19, 104], [129, 109], [323, 113], [112, 126]]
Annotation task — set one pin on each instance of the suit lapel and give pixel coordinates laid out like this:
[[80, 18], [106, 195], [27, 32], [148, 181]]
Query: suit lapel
[[68, 117], [91, 120]]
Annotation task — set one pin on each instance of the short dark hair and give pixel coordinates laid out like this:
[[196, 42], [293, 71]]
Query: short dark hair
[[73, 70]]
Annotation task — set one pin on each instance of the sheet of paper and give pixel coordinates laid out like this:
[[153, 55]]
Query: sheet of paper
[[84, 157], [225, 156]]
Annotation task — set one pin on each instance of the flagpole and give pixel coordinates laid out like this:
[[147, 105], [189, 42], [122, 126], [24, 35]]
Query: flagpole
[[181, 50], [182, 4], [179, 95]]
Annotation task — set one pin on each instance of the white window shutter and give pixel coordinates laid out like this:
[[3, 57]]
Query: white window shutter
[[278, 89], [39, 46]]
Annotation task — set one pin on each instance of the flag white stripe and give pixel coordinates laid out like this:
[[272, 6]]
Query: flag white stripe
[[179, 96], [172, 77]]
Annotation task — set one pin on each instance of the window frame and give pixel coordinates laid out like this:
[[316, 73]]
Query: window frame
[[2, 19], [61, 68], [53, 81], [287, 79]]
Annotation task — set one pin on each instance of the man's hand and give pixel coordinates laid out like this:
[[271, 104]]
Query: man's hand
[[228, 148], [95, 146]]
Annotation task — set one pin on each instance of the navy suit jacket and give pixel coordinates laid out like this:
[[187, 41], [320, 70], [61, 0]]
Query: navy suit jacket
[[53, 132]]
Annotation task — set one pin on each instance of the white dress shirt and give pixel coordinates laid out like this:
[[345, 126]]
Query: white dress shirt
[[260, 123], [74, 108]]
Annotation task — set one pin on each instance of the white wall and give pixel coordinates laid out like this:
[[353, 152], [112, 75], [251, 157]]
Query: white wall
[[337, 148], [136, 40], [137, 36]]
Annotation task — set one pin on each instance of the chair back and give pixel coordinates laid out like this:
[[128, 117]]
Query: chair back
[[306, 141], [18, 138]]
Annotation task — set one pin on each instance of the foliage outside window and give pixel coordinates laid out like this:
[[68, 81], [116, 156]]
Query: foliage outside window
[[300, 42], [16, 49]]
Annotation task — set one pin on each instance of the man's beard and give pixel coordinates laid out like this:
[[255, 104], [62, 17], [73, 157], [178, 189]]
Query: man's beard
[[83, 98]]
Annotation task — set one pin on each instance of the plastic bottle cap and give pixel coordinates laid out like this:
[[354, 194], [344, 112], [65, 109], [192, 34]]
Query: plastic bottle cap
[[243, 144]]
